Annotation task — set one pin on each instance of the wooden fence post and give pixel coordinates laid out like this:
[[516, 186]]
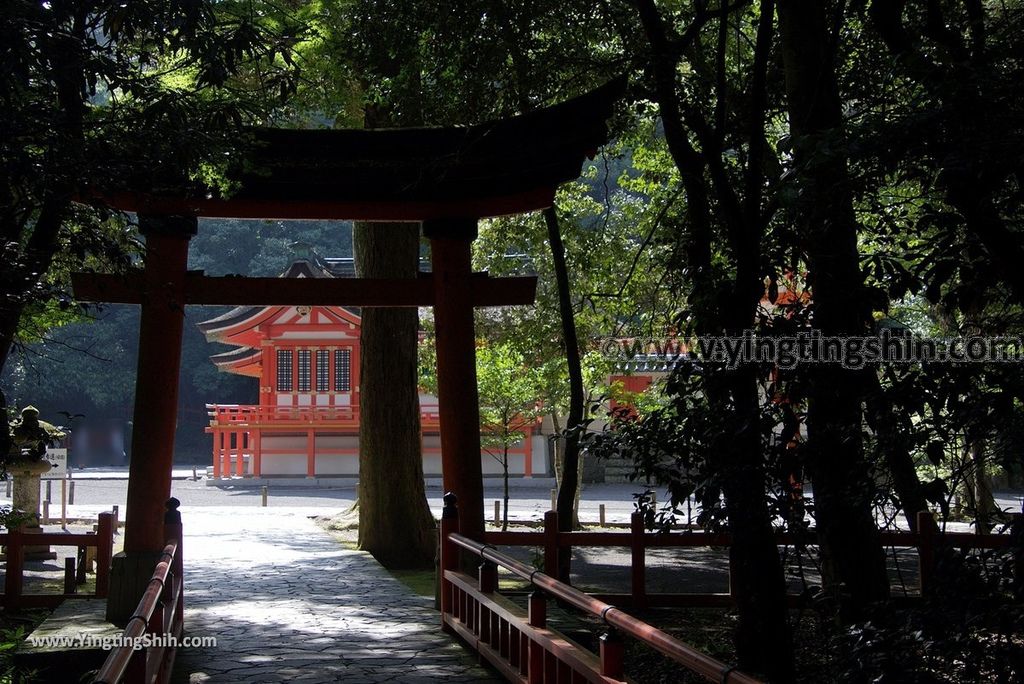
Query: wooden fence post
[[173, 532], [70, 585], [551, 544], [927, 531], [612, 652], [487, 577], [15, 568], [637, 560], [104, 553], [449, 554]]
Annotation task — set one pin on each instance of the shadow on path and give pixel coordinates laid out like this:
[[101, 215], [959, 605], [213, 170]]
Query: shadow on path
[[286, 602]]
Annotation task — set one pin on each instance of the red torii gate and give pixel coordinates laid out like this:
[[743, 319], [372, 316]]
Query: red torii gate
[[446, 178]]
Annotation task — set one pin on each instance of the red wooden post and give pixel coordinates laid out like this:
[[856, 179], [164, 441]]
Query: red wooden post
[[104, 552], [487, 578], [240, 444], [156, 390], [310, 452], [15, 568], [225, 453], [612, 654], [551, 544], [257, 453], [637, 553], [528, 452], [216, 449], [449, 554], [927, 531], [458, 401]]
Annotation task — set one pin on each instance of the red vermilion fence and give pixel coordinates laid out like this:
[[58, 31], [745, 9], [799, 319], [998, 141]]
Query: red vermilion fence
[[926, 540], [159, 615], [15, 542], [519, 643]]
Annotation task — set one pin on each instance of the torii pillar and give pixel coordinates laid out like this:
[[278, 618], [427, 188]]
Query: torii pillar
[[458, 401], [161, 324]]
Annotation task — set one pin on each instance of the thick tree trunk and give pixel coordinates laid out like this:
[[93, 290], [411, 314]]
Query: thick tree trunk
[[763, 635], [568, 484], [896, 453], [980, 487], [853, 558], [395, 523]]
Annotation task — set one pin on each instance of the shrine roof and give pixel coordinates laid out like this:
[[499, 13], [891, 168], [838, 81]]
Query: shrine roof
[[216, 328], [507, 166], [235, 356]]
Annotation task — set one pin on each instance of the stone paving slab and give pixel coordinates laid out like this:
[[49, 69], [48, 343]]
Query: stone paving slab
[[287, 602]]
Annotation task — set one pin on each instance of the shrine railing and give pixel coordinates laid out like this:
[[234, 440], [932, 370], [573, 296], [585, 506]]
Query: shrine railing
[[927, 540], [245, 415], [519, 643], [158, 621], [98, 547]]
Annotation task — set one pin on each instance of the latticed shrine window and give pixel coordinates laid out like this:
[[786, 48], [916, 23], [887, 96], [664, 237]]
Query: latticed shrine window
[[342, 370], [323, 370], [304, 370], [284, 370]]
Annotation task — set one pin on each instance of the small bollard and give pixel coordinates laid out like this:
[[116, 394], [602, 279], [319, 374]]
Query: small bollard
[[497, 512], [70, 581], [46, 512], [654, 498], [263, 495], [116, 518], [71, 493], [49, 491], [554, 500], [8, 487], [600, 514], [195, 476]]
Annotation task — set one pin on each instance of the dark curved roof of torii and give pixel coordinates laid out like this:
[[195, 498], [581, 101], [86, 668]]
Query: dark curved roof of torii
[[507, 166]]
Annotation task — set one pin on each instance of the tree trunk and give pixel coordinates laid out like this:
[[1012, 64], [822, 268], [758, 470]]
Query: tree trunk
[[763, 636], [896, 453], [852, 556], [980, 488], [395, 523], [568, 484], [504, 465]]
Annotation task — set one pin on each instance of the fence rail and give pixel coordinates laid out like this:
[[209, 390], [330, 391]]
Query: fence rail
[[15, 543], [520, 644], [927, 539], [241, 415], [159, 614]]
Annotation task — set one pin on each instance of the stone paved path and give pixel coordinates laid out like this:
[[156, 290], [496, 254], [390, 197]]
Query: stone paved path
[[287, 602]]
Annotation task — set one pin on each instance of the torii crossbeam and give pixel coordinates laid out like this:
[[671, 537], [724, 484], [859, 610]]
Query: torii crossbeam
[[446, 178]]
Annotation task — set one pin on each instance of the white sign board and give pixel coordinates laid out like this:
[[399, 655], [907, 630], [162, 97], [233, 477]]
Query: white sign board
[[58, 458]]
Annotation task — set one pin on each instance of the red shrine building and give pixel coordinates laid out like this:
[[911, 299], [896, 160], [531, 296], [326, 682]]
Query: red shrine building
[[306, 360]]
